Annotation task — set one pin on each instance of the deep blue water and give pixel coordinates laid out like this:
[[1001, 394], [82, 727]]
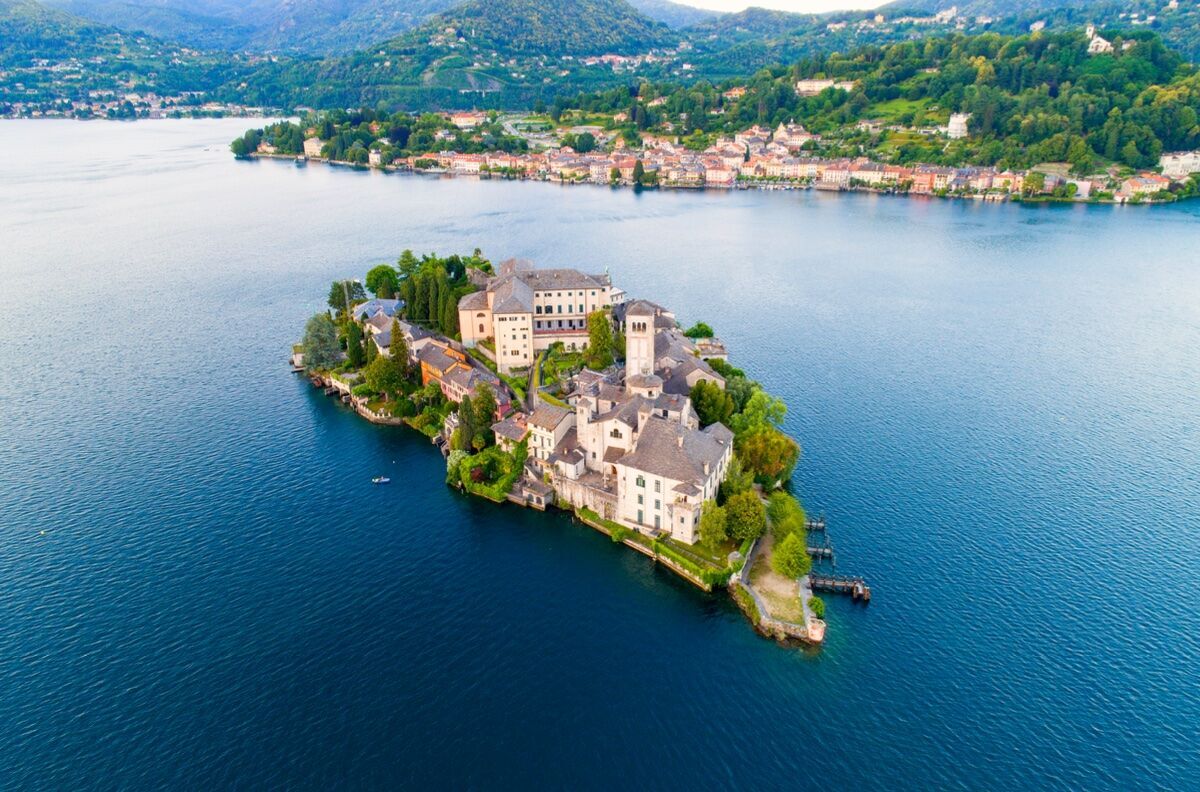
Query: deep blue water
[[199, 587]]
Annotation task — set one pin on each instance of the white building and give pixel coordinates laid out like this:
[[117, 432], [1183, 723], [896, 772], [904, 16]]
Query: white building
[[1180, 164], [814, 87], [1096, 44], [957, 128], [525, 310]]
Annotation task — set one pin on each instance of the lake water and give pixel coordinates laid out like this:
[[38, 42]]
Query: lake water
[[199, 587]]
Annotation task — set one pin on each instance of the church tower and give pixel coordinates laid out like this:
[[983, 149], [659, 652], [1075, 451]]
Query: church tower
[[639, 339]]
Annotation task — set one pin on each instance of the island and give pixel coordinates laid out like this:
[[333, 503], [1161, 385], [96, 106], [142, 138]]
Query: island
[[553, 388]]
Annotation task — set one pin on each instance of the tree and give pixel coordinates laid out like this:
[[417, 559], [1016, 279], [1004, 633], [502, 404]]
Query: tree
[[761, 410], [345, 293], [600, 341], [614, 175], [713, 405], [713, 525], [746, 517], [383, 281], [699, 330], [321, 349], [737, 479], [768, 453], [790, 557], [786, 515], [466, 424], [484, 411], [398, 349], [639, 172], [384, 376], [356, 356]]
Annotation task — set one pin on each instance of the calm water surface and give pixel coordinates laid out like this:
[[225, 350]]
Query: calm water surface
[[199, 587]]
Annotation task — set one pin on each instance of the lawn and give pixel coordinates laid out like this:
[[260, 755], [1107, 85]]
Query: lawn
[[893, 109]]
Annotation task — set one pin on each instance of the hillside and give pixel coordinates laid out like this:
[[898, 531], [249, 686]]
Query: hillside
[[489, 53], [675, 15], [50, 58], [552, 27], [1032, 98], [294, 26]]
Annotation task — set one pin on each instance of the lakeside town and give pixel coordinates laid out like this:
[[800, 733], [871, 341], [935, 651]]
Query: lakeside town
[[784, 157], [552, 388]]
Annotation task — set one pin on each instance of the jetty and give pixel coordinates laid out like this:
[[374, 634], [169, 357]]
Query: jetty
[[856, 587]]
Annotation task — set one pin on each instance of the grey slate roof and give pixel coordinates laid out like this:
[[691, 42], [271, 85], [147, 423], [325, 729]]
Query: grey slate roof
[[372, 307], [666, 449], [475, 301], [548, 416]]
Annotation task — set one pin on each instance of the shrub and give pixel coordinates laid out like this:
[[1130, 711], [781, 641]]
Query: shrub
[[817, 606]]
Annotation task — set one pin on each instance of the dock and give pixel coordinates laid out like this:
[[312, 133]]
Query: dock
[[856, 587]]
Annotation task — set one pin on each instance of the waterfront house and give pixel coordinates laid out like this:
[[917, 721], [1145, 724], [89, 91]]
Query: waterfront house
[[1180, 164], [511, 431], [312, 147]]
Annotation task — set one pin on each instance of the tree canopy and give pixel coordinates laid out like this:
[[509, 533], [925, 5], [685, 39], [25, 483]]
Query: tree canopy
[[321, 348]]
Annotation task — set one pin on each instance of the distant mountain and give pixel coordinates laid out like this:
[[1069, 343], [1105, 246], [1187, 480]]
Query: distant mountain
[[553, 27], [294, 26], [674, 15], [755, 22]]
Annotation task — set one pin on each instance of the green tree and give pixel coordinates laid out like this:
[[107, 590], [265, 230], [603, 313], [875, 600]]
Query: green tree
[[737, 479], [761, 410], [768, 453], [383, 376], [321, 349], [599, 353], [712, 404], [484, 411], [699, 330], [383, 281], [789, 557], [356, 356], [466, 424], [398, 349], [786, 514], [344, 294], [746, 517], [639, 172], [713, 525]]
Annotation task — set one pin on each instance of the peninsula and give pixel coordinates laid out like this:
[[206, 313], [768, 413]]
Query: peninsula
[[552, 388]]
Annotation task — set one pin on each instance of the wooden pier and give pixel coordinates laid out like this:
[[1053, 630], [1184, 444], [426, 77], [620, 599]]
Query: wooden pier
[[856, 587], [822, 551], [815, 526]]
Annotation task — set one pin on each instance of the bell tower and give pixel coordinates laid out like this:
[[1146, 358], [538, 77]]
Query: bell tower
[[639, 340]]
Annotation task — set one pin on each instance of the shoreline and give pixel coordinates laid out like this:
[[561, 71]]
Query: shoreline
[[758, 185]]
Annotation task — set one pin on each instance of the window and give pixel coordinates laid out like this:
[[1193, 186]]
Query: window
[[617, 434], [481, 328], [657, 505], [560, 311], [641, 482], [537, 309], [640, 518], [581, 308], [640, 501], [658, 486], [657, 521]]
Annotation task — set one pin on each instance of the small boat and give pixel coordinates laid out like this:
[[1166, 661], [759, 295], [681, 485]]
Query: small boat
[[301, 161], [381, 480]]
